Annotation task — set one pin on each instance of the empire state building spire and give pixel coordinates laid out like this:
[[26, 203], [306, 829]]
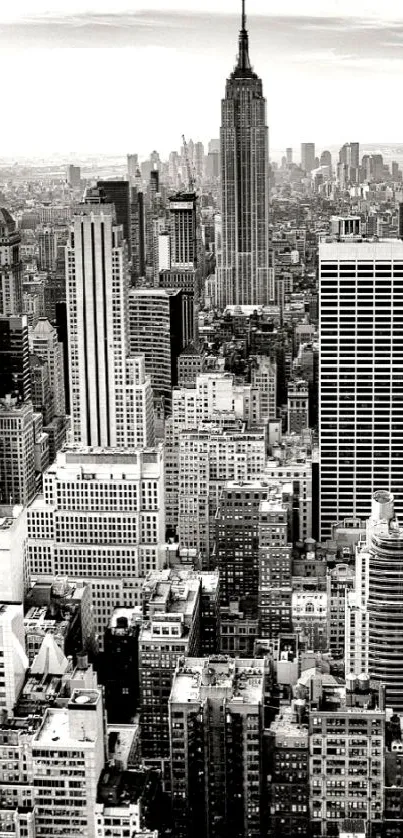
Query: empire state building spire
[[244, 272], [243, 63]]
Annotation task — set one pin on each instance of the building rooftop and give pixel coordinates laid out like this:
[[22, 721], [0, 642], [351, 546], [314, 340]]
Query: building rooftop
[[20, 724], [154, 292], [43, 328], [50, 659], [125, 619], [10, 405], [287, 727], [170, 602], [123, 788], [121, 739], [237, 681], [358, 247], [190, 349], [6, 218], [349, 828], [54, 728], [55, 731], [8, 516]]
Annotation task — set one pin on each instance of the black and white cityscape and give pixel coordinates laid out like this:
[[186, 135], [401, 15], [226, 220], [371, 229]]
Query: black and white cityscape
[[201, 435]]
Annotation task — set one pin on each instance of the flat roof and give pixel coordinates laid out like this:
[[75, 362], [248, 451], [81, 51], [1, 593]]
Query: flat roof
[[241, 681], [121, 739], [55, 729]]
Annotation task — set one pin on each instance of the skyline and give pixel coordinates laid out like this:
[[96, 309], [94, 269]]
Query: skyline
[[336, 49]]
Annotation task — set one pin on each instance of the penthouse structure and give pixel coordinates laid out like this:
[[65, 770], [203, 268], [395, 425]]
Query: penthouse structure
[[215, 728]]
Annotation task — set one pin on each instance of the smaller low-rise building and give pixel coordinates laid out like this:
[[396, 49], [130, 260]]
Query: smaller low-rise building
[[128, 802]]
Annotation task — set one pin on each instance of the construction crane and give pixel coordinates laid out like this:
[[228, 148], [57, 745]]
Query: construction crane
[[191, 180]]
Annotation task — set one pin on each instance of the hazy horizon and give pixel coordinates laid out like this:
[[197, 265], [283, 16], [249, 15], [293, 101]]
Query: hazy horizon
[[104, 76]]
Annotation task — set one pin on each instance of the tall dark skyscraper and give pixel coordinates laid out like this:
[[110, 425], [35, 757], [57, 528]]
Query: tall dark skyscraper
[[117, 192], [15, 377], [243, 275]]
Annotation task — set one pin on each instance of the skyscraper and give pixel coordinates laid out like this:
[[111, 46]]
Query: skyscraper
[[374, 637], [182, 208], [137, 233], [215, 725], [307, 156], [74, 176], [106, 386], [132, 166], [155, 318], [243, 263], [13, 660], [45, 344], [17, 456], [170, 630], [69, 746], [10, 265], [361, 375], [117, 192], [14, 357]]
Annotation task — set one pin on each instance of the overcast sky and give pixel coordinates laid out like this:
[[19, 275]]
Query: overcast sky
[[116, 76]]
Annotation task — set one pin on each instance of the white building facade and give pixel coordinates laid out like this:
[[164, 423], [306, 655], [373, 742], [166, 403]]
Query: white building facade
[[105, 389], [360, 375], [101, 519]]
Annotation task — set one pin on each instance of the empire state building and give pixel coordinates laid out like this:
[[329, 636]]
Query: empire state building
[[243, 273]]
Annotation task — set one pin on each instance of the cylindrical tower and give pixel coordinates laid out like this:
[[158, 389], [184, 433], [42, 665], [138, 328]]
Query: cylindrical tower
[[385, 600]]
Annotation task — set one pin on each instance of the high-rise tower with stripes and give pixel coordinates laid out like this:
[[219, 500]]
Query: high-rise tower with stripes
[[110, 395], [360, 374]]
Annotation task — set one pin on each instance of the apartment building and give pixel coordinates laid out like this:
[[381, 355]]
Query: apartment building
[[215, 726], [170, 630], [100, 520]]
